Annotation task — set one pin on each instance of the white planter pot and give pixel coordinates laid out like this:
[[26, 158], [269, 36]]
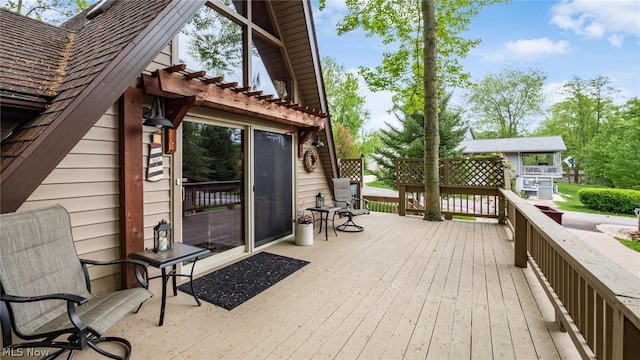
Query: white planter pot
[[304, 234]]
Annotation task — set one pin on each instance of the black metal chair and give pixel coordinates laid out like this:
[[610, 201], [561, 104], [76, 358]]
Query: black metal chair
[[45, 290], [348, 205]]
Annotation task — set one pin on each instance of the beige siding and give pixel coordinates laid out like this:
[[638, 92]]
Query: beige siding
[[86, 184], [157, 195], [310, 184]]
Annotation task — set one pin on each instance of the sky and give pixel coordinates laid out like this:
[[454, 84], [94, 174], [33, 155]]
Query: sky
[[563, 39]]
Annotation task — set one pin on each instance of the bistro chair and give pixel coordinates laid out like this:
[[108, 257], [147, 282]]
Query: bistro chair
[[348, 204], [45, 290]]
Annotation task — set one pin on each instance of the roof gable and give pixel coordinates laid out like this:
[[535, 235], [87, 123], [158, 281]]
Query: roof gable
[[108, 53], [101, 57]]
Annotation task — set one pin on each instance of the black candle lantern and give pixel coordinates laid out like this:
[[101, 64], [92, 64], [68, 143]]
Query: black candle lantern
[[162, 236], [319, 200]]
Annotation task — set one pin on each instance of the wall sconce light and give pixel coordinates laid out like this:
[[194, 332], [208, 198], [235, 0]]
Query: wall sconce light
[[317, 142], [156, 120]]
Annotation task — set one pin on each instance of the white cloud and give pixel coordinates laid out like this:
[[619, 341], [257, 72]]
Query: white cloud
[[616, 40], [596, 19], [534, 48]]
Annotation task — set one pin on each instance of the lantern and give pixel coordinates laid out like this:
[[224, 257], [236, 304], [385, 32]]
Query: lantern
[[319, 200], [162, 236]]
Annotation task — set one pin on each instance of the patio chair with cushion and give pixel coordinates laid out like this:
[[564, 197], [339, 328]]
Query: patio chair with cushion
[[348, 203], [45, 290]]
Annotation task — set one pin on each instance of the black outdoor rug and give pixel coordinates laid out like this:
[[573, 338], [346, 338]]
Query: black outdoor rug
[[234, 284]]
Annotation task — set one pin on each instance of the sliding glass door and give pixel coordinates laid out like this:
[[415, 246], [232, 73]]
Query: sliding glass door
[[273, 186], [212, 186]]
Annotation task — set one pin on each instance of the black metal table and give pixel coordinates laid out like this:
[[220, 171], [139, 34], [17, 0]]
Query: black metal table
[[325, 210], [178, 253]]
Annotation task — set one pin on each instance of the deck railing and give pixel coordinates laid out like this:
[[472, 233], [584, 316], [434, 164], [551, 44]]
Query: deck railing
[[201, 195], [468, 187], [542, 170], [595, 300]]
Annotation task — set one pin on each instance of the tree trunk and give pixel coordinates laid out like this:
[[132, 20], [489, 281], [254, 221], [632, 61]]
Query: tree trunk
[[576, 174], [432, 210]]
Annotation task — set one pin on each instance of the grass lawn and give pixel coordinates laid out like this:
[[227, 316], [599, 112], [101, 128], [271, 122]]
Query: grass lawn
[[569, 192], [379, 184]]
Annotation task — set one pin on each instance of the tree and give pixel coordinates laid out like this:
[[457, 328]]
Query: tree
[[578, 118], [504, 104], [215, 42], [613, 155], [407, 140], [346, 105], [52, 11], [432, 210], [412, 28]]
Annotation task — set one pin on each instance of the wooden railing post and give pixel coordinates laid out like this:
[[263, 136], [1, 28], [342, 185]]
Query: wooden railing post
[[402, 200], [520, 239]]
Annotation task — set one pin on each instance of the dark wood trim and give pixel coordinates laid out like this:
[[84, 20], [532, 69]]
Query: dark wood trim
[[303, 136], [26, 173], [177, 109], [169, 85], [131, 181]]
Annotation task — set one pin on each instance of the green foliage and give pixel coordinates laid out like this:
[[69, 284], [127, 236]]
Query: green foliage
[[407, 140], [51, 11], [399, 25], [579, 117], [613, 155], [210, 153], [215, 42], [610, 200], [505, 103], [348, 113]]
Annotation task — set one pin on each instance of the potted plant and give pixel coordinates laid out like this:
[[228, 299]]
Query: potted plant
[[304, 228]]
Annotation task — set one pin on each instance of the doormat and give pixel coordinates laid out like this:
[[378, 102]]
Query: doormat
[[234, 284]]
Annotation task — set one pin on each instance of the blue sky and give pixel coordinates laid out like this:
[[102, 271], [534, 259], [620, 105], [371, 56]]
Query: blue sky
[[584, 38]]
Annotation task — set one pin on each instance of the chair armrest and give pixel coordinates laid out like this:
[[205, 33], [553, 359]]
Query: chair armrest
[[366, 202], [79, 300], [141, 270]]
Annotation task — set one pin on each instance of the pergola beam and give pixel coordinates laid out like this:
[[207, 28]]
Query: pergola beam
[[216, 96]]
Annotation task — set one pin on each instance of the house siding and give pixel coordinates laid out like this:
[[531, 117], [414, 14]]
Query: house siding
[[85, 182], [309, 184]]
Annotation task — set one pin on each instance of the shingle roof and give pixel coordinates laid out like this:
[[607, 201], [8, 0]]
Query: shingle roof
[[33, 57], [65, 61], [511, 145]]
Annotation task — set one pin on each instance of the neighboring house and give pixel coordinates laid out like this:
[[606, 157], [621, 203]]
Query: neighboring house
[[535, 161], [73, 99]]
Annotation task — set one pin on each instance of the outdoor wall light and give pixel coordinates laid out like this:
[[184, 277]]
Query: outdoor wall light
[[317, 142], [162, 236], [157, 120]]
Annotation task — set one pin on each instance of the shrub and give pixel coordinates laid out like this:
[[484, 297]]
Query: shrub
[[610, 200]]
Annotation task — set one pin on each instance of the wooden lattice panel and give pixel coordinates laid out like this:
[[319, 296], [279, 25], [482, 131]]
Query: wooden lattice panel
[[352, 169], [409, 171], [455, 171]]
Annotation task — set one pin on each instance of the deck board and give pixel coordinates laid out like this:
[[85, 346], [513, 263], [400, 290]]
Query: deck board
[[404, 288]]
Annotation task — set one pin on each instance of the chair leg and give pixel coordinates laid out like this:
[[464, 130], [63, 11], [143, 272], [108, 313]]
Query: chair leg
[[125, 343], [349, 226]]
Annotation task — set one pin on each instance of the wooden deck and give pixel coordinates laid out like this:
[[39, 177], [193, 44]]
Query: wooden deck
[[404, 288]]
